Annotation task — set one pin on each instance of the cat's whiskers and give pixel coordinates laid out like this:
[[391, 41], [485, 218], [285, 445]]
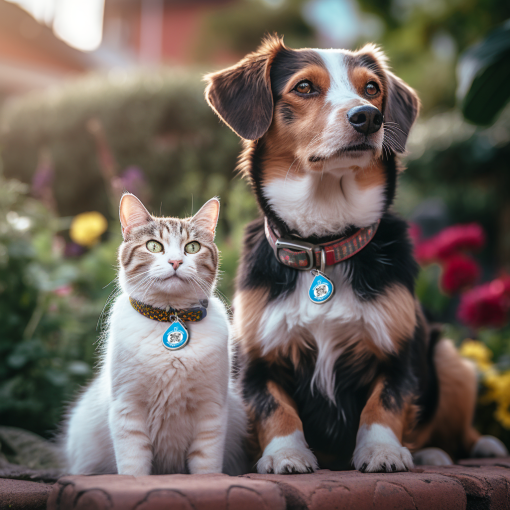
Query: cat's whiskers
[[213, 290]]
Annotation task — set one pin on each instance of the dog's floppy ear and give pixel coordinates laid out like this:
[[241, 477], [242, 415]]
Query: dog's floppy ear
[[241, 95], [402, 107]]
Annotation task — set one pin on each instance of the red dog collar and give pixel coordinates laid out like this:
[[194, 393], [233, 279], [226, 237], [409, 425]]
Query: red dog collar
[[302, 255]]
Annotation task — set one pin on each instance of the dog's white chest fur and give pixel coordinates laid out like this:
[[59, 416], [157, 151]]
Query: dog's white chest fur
[[324, 204], [335, 325]]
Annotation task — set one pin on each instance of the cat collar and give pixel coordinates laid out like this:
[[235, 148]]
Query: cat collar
[[177, 335], [306, 256], [194, 314]]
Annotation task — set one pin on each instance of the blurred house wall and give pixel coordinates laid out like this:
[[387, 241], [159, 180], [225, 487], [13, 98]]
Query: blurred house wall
[[31, 56], [156, 31]]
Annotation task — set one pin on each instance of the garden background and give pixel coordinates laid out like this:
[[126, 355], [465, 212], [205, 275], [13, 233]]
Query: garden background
[[138, 121]]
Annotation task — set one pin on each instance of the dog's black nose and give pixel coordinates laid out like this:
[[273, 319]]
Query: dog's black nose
[[365, 119]]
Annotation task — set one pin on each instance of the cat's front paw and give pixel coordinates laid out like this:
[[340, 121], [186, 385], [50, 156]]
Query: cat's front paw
[[287, 455], [378, 451]]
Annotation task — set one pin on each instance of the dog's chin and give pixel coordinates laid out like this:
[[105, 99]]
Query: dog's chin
[[358, 155]]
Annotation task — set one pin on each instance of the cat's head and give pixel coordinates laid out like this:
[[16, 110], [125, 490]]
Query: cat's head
[[168, 261]]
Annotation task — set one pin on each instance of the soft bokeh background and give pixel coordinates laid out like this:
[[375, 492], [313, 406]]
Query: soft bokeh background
[[101, 96]]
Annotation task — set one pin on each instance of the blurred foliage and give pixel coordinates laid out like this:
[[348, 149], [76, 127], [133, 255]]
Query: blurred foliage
[[484, 71], [424, 37], [24, 448], [238, 29], [45, 333], [467, 168], [157, 122]]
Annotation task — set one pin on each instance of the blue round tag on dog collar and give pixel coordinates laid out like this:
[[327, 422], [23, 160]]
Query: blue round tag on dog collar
[[176, 336], [321, 289]]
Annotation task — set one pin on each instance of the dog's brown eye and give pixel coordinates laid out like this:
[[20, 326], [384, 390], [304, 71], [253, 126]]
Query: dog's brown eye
[[304, 87], [371, 88]]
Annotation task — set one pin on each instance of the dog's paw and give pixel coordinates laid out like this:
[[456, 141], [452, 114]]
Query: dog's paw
[[288, 461], [383, 457], [488, 446], [378, 451], [287, 455], [432, 457]]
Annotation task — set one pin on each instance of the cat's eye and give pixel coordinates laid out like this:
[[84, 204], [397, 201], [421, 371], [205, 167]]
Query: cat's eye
[[193, 247], [154, 246]]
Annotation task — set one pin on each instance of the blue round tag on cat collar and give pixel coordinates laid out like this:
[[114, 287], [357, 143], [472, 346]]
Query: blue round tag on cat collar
[[322, 288], [176, 336]]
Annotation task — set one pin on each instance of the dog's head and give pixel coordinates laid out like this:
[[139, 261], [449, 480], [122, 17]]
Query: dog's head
[[327, 108]]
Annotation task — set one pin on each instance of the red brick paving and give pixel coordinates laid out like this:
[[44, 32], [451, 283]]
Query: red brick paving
[[22, 495], [472, 485]]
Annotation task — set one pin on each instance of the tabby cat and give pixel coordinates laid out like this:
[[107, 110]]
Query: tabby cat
[[164, 400]]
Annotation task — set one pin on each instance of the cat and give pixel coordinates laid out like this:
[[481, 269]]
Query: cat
[[152, 410]]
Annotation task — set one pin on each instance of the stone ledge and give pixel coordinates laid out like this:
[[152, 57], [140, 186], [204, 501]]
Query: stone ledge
[[471, 485]]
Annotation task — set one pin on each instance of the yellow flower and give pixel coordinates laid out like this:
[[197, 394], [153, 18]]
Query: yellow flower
[[86, 228], [498, 391], [478, 352], [497, 384], [502, 414]]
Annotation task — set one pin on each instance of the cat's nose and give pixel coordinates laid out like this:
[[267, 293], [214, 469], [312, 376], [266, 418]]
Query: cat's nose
[[175, 263]]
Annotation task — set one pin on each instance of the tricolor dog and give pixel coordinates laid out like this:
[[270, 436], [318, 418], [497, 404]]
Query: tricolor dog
[[340, 364]]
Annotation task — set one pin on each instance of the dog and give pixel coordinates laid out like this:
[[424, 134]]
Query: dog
[[340, 362]]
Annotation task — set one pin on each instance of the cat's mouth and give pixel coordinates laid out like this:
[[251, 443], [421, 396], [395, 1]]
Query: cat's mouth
[[174, 276]]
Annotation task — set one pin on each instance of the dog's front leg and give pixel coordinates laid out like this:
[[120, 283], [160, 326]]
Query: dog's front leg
[[379, 440], [280, 433]]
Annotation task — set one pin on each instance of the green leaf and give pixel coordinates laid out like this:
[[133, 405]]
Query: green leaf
[[484, 77]]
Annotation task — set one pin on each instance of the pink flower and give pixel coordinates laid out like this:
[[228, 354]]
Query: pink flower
[[63, 291], [459, 272], [485, 305]]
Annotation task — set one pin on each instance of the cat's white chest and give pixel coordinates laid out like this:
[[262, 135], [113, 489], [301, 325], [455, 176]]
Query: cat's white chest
[[171, 384]]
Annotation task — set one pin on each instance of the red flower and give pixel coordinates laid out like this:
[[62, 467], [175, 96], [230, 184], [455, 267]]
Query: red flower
[[459, 271], [457, 238], [485, 305], [505, 280], [414, 233], [454, 239], [425, 252]]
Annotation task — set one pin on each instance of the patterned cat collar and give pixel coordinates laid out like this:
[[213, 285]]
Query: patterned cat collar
[[305, 256], [177, 335]]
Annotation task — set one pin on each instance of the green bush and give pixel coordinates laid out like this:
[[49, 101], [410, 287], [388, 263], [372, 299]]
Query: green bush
[[156, 121]]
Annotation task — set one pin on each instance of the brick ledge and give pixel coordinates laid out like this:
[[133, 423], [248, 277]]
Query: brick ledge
[[473, 484]]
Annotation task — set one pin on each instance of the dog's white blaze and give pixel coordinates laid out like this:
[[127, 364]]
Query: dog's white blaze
[[343, 321], [378, 447], [318, 204], [340, 90]]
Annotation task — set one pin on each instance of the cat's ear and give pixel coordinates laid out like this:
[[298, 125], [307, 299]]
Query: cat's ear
[[207, 217], [132, 213]]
